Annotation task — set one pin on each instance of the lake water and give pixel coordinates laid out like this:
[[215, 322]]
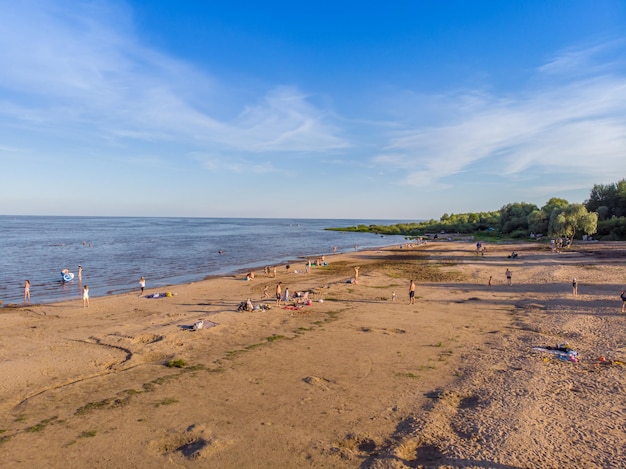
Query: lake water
[[115, 252]]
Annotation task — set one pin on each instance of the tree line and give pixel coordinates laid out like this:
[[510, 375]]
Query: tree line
[[602, 216]]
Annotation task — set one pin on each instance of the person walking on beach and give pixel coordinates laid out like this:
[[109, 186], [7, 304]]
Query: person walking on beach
[[574, 287], [27, 292], [266, 293], [279, 293], [508, 274], [142, 285], [86, 296], [412, 292], [286, 295], [490, 277]]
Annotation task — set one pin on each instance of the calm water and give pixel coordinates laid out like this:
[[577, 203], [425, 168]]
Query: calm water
[[115, 252]]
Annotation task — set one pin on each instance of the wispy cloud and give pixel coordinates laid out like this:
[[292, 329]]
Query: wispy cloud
[[218, 162], [591, 59], [574, 126], [85, 68]]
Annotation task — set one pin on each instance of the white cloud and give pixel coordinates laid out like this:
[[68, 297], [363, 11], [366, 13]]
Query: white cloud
[[582, 60], [575, 127], [84, 68], [217, 162]]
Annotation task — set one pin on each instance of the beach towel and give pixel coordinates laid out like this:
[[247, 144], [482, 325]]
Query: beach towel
[[168, 294]]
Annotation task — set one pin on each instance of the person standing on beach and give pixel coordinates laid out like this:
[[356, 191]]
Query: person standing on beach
[[279, 293], [27, 292], [574, 287], [142, 285], [86, 296], [412, 292], [508, 274], [274, 272], [266, 293], [356, 274], [623, 297]]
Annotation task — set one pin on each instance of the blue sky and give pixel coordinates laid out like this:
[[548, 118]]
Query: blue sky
[[325, 109]]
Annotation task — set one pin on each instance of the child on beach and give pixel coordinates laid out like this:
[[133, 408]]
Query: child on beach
[[142, 284], [86, 297]]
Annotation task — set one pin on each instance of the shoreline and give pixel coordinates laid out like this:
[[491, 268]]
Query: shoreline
[[232, 273], [358, 380], [193, 277]]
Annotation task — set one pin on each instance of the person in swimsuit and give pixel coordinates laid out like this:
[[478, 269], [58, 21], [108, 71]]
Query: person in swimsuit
[[412, 292], [27, 292], [86, 297], [279, 292], [574, 287]]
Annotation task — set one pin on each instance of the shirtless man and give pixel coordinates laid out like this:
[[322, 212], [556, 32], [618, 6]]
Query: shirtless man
[[279, 293], [412, 293]]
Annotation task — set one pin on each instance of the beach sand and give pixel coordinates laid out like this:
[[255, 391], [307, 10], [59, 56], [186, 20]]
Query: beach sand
[[354, 381]]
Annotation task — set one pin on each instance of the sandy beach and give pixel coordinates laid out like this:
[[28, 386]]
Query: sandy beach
[[462, 378]]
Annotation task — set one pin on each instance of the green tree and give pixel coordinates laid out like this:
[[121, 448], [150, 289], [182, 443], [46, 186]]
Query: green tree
[[554, 203], [514, 217], [567, 221], [538, 221], [611, 196]]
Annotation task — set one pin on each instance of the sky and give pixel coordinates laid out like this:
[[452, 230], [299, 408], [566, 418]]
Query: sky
[[400, 110]]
